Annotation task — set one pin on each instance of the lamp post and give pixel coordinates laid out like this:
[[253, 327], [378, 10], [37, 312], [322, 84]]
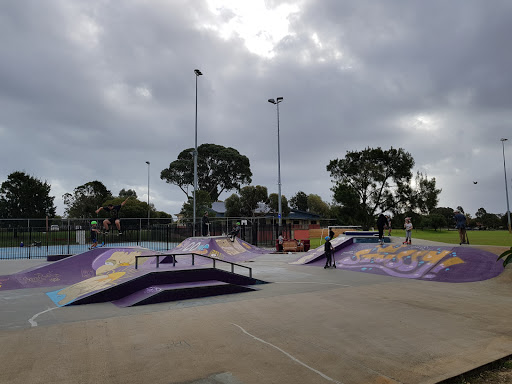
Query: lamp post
[[148, 163], [506, 187], [276, 102], [198, 73]]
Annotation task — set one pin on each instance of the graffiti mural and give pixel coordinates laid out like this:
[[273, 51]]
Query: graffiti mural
[[402, 261], [444, 263], [110, 269]]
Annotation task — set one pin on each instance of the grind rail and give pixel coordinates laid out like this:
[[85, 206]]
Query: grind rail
[[193, 254]]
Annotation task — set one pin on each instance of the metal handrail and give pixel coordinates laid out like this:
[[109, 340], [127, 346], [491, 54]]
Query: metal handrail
[[193, 254]]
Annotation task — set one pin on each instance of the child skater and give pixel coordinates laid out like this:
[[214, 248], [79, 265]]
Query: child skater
[[328, 252], [408, 230], [94, 234]]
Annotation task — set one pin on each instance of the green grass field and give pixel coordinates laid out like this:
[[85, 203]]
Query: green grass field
[[502, 238]]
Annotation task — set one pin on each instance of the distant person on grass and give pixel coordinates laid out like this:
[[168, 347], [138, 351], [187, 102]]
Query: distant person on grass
[[114, 216], [389, 224], [460, 224]]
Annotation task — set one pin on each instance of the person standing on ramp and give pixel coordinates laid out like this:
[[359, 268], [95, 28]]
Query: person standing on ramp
[[381, 223]]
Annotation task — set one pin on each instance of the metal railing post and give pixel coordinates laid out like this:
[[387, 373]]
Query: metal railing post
[[69, 239], [139, 240], [29, 237]]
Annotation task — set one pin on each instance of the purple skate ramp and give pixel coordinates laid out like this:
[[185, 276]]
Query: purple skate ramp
[[452, 264], [219, 247], [99, 261]]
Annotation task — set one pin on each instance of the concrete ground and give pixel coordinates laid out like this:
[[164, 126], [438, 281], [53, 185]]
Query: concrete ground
[[309, 326]]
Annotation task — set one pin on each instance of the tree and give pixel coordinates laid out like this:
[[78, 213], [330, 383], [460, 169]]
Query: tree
[[435, 221], [318, 206], [299, 201], [250, 197], [274, 204], [372, 180], [233, 206], [491, 220], [504, 219], [134, 209], [447, 213], [203, 203], [86, 199], [24, 196], [425, 195], [480, 213], [219, 169], [127, 193]]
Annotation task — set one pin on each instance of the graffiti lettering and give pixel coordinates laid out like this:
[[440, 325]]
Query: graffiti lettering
[[402, 261], [196, 246], [39, 278]]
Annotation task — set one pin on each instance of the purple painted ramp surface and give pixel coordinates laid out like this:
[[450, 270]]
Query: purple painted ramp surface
[[99, 261], [220, 248], [451, 264], [145, 293]]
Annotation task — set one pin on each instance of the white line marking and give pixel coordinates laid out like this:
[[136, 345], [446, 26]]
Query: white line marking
[[310, 282], [34, 323], [290, 356]]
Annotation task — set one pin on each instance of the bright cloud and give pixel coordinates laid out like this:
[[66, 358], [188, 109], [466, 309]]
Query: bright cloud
[[259, 26]]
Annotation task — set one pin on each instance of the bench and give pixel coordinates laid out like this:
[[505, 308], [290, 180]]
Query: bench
[[291, 246]]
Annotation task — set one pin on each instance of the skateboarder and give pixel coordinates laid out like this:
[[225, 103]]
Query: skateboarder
[[94, 234], [234, 232], [114, 216], [328, 252]]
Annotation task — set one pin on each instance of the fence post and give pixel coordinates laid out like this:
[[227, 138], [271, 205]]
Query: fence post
[[29, 237], [69, 237], [167, 236], [139, 240]]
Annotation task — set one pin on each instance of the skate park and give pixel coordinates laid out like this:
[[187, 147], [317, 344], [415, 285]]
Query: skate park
[[387, 318]]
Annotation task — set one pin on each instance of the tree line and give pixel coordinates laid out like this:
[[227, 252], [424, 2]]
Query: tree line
[[364, 183], [24, 196]]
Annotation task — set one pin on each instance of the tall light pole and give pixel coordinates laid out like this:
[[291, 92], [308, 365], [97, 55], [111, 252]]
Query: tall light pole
[[506, 187], [198, 73], [276, 102], [148, 163]]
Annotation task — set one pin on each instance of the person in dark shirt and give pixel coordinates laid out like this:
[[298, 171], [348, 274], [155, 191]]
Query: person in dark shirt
[[206, 225], [382, 221], [460, 224], [328, 252], [234, 232], [114, 216]]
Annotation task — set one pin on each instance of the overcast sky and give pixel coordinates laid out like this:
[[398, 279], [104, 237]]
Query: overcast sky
[[91, 90]]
